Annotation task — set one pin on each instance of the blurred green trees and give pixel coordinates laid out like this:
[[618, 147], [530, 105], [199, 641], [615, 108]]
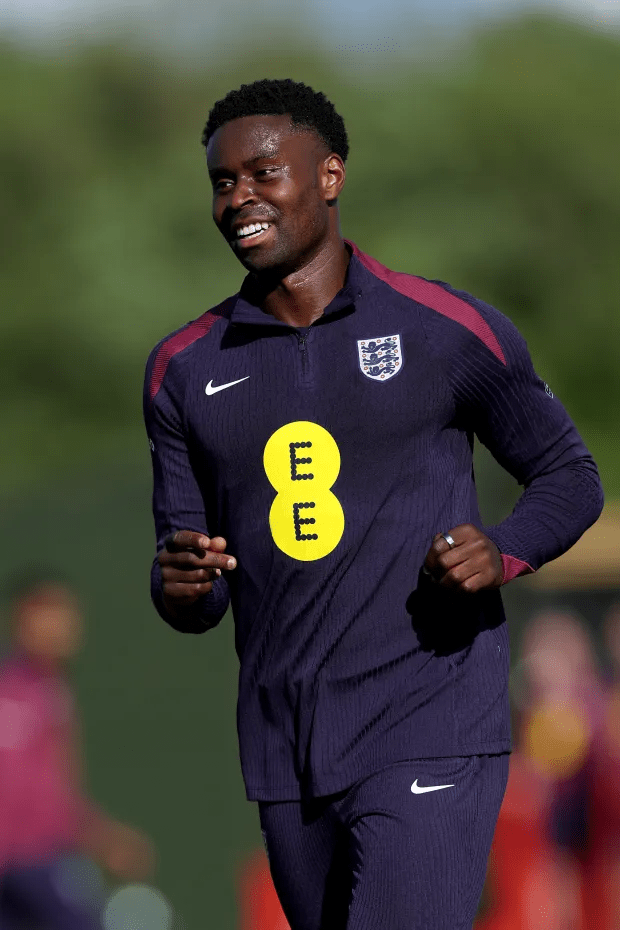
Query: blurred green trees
[[495, 169]]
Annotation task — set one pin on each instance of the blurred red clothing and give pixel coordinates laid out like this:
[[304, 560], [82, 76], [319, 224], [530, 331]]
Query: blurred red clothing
[[260, 905], [531, 884], [600, 875], [43, 809], [555, 859]]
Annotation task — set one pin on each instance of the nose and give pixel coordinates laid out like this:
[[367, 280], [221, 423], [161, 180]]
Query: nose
[[231, 204], [243, 192]]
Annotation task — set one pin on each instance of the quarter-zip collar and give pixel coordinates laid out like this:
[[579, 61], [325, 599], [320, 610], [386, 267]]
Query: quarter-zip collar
[[244, 311]]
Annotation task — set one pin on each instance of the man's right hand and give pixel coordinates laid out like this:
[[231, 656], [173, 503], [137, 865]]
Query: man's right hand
[[190, 563]]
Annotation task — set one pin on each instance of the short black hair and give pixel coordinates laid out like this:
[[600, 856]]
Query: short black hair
[[28, 580], [306, 107]]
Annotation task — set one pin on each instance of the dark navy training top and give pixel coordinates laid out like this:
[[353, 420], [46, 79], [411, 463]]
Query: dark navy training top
[[328, 457]]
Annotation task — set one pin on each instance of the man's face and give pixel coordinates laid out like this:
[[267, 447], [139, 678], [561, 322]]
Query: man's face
[[263, 171]]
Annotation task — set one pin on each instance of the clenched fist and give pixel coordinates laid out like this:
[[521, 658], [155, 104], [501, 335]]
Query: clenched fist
[[474, 564]]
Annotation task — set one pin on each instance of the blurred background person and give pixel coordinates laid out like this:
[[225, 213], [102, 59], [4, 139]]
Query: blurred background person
[[543, 841], [560, 726], [611, 640], [601, 862], [45, 814]]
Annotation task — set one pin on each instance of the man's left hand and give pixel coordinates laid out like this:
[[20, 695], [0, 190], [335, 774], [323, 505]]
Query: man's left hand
[[474, 564]]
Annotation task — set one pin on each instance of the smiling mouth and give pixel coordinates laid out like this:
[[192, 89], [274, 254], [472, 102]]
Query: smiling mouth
[[252, 237]]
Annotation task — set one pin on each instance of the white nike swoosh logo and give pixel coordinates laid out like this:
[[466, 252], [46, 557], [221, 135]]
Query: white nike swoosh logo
[[213, 390], [418, 790]]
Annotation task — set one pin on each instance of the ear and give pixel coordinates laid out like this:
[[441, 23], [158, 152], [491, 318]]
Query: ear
[[333, 176]]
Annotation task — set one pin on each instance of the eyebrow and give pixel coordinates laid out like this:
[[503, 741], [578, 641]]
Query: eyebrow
[[264, 153]]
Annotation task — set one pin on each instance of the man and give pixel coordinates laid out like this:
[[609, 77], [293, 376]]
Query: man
[[46, 820], [311, 441]]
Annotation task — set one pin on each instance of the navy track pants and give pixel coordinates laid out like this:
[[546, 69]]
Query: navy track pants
[[383, 855]]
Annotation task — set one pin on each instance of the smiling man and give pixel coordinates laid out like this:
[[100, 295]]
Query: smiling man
[[311, 440]]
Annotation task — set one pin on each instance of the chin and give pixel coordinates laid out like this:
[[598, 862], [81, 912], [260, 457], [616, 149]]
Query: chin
[[263, 268]]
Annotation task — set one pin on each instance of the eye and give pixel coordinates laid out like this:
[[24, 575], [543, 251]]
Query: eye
[[218, 184]]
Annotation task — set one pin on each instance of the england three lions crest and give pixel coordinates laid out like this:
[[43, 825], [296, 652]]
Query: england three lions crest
[[380, 358]]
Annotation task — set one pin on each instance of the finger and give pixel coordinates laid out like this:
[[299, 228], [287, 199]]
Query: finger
[[183, 593], [434, 552], [438, 547], [190, 561], [218, 543], [465, 552], [200, 576], [473, 575], [186, 539], [441, 544], [455, 577], [439, 550], [474, 583], [187, 559], [460, 535]]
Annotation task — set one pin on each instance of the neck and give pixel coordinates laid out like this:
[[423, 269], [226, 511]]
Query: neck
[[301, 298], [46, 664]]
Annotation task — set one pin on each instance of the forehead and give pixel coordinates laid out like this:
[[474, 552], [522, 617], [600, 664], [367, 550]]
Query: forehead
[[251, 137], [49, 595]]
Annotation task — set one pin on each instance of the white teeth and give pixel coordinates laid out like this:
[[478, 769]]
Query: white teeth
[[252, 228]]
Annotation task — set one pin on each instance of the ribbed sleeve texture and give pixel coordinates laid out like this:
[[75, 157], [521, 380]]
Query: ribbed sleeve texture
[[177, 499], [204, 615], [517, 417]]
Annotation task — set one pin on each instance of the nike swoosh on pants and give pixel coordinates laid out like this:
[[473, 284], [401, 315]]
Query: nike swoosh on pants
[[417, 790]]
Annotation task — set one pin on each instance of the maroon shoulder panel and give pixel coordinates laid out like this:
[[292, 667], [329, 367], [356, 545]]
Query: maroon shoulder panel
[[180, 341], [435, 297]]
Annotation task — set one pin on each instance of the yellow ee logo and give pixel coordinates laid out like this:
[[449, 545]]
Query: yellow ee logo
[[302, 461]]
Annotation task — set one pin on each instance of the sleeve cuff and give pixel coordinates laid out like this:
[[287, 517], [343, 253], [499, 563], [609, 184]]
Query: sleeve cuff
[[514, 567], [203, 615]]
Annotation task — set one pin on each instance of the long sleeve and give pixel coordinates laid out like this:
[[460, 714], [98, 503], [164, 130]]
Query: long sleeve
[[528, 431], [177, 502]]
